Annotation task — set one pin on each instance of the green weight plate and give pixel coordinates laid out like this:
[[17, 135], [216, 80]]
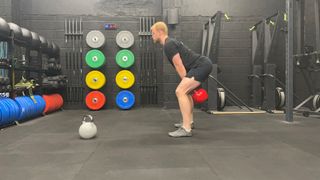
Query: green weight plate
[[95, 59], [125, 58]]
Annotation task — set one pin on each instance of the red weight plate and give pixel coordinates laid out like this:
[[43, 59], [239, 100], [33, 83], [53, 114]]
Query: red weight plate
[[52, 102], [60, 102], [95, 100], [46, 99], [55, 100]]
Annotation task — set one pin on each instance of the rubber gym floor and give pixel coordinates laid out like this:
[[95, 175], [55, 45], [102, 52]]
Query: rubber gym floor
[[134, 145]]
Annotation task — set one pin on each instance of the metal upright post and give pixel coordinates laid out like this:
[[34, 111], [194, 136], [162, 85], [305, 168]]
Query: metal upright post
[[317, 22], [300, 26], [289, 61]]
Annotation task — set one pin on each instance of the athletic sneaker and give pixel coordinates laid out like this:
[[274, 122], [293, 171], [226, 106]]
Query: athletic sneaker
[[181, 132], [179, 125]]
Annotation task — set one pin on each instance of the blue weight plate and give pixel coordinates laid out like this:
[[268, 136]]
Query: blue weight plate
[[26, 107], [125, 99], [12, 109], [4, 112], [31, 107], [15, 109], [40, 104], [1, 109], [10, 112], [0, 115], [22, 108], [35, 106]]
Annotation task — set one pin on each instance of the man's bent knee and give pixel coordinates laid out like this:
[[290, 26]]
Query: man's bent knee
[[180, 92]]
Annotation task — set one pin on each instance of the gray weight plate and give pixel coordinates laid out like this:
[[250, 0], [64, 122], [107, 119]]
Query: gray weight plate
[[27, 37], [16, 31], [95, 39], [35, 44], [125, 39]]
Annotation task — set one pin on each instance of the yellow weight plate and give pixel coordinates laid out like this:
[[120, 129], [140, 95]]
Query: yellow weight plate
[[95, 80], [125, 79]]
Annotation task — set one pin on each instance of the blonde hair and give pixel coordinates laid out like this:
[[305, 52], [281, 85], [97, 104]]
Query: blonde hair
[[160, 26]]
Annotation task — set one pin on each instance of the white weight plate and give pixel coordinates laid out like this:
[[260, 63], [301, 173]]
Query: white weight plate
[[282, 97], [125, 39], [222, 98], [95, 39], [316, 101]]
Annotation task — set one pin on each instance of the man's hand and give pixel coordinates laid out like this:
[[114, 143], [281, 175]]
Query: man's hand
[[177, 62]]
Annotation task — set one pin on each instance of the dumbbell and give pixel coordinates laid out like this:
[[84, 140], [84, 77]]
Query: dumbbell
[[51, 60], [45, 80], [55, 84], [50, 78], [59, 67], [51, 66]]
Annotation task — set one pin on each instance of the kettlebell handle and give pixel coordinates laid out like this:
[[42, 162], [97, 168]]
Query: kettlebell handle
[[88, 116]]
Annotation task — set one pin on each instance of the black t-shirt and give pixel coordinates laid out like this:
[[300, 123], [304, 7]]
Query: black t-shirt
[[172, 47]]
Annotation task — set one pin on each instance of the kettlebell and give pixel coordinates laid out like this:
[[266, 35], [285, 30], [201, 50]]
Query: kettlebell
[[199, 96], [87, 129]]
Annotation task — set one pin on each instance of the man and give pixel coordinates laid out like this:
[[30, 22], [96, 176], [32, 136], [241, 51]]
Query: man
[[192, 69]]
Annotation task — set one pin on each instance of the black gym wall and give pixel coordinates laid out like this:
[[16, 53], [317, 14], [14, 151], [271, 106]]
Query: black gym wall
[[8, 10], [5, 9], [47, 18]]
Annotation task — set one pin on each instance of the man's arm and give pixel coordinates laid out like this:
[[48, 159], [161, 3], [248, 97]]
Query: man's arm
[[177, 62]]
